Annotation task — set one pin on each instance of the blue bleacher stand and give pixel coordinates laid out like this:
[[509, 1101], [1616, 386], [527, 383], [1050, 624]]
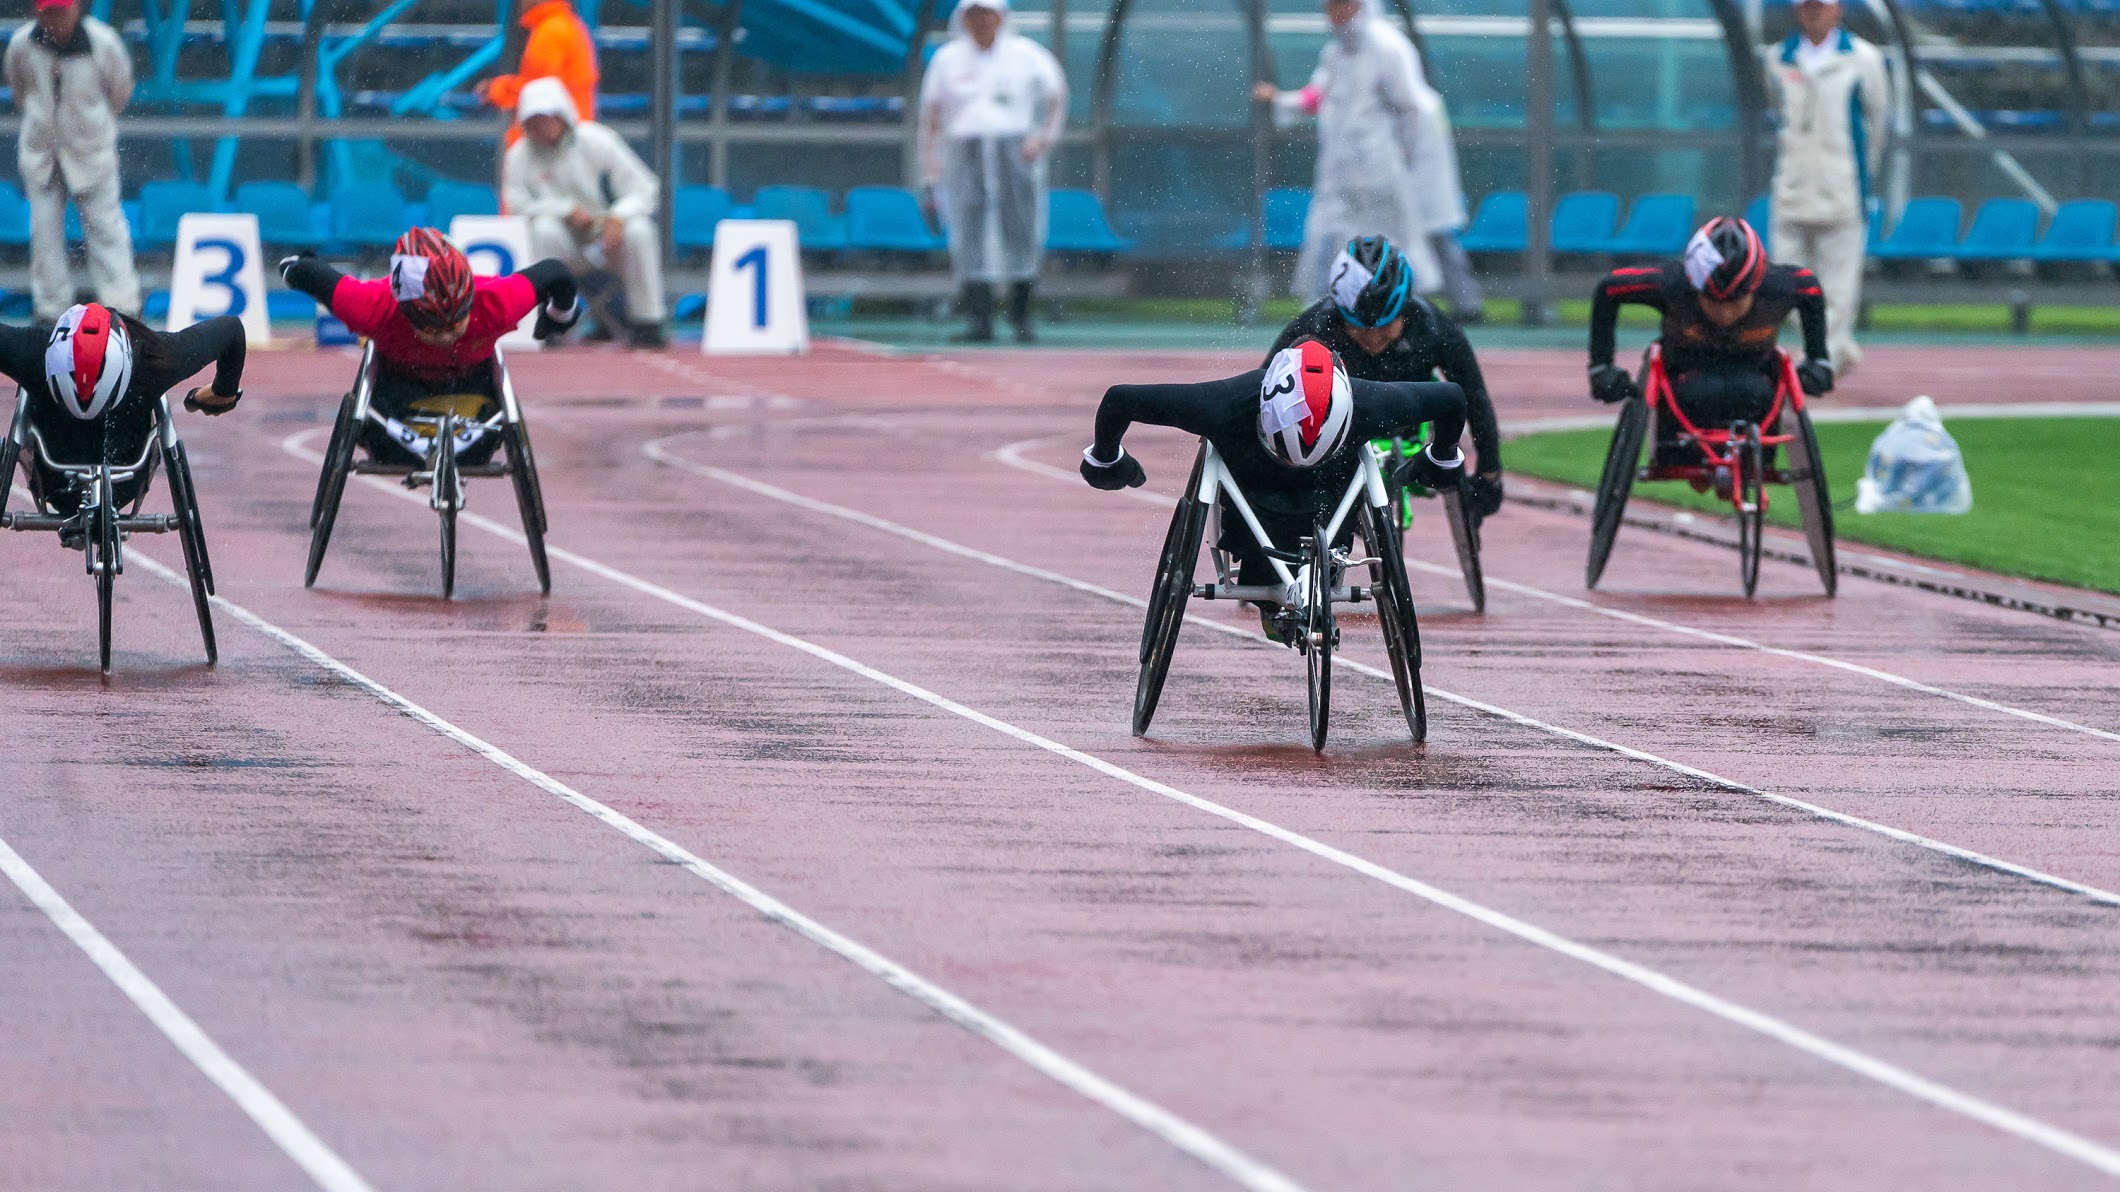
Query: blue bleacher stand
[[2081, 230], [1760, 214], [1928, 227], [1075, 222], [162, 204], [1657, 226], [697, 209], [1501, 225], [810, 208], [1582, 221], [368, 214], [1286, 210], [448, 199], [14, 215], [2002, 230], [283, 212], [888, 219]]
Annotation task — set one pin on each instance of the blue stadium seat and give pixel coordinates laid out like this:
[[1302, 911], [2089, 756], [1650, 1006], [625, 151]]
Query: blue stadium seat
[[810, 208], [1582, 221], [1286, 210], [2003, 230], [1502, 224], [1657, 226], [697, 209], [287, 306], [162, 204], [1760, 214], [447, 199], [1075, 222], [14, 215], [888, 219], [368, 214], [1927, 228], [2081, 230], [283, 213]]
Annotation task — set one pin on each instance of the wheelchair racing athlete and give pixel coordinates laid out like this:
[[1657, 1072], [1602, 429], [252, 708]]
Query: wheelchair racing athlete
[[1723, 307], [92, 379], [1288, 435], [1383, 331], [434, 326]]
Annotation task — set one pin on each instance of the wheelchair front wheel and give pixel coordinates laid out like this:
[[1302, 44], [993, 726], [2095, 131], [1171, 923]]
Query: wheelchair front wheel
[[1166, 605], [1465, 535], [10, 451], [1395, 615], [1749, 487], [529, 500], [1318, 632], [1622, 461], [103, 559], [447, 497], [1807, 474]]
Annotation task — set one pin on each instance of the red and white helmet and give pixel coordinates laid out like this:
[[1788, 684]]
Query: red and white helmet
[[88, 361], [1306, 405]]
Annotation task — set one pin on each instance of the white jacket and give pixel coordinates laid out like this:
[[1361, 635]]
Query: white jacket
[[1833, 127], [591, 168], [69, 105]]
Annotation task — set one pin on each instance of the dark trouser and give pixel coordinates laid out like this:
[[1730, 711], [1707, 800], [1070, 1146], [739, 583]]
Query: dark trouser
[[1712, 399], [399, 395], [1288, 533]]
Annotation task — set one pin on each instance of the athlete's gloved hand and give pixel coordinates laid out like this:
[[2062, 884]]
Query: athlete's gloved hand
[[1609, 384], [1816, 377], [1429, 472], [1483, 494], [1123, 472], [205, 401], [287, 264], [552, 324]]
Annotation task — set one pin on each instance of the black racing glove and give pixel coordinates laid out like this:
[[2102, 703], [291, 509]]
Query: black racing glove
[[553, 324], [287, 264], [1431, 473], [1816, 377], [1610, 384], [204, 400], [1123, 472], [1483, 494]]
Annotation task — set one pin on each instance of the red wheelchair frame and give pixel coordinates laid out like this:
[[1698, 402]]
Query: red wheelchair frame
[[1736, 463]]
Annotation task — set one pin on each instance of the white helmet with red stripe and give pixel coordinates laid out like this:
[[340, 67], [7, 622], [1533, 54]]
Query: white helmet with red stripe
[[88, 361], [1306, 405]]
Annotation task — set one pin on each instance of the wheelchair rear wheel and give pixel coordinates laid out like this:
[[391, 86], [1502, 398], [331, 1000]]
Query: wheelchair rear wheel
[[102, 544], [1318, 631], [331, 487], [1622, 461], [341, 430], [529, 499], [1166, 601], [1750, 488], [1465, 534], [1808, 476], [1395, 615], [192, 534], [447, 497]]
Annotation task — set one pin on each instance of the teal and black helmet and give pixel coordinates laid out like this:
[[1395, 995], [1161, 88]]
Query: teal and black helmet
[[1371, 281]]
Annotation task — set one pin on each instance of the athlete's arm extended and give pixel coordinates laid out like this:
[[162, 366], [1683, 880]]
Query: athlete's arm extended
[[311, 276], [558, 302], [1621, 286], [1811, 313], [22, 357], [1198, 409], [1391, 409], [219, 341], [1459, 365]]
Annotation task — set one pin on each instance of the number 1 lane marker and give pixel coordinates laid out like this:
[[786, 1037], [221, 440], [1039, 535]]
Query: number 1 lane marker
[[2029, 1129]]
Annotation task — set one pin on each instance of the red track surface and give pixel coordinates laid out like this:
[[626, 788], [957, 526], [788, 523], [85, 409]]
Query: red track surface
[[456, 979]]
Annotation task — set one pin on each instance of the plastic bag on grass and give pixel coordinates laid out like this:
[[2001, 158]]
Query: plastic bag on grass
[[1915, 467]]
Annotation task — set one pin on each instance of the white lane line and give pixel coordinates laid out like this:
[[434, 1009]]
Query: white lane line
[[1188, 1138], [1013, 457], [658, 451], [270, 1114], [2009, 1121]]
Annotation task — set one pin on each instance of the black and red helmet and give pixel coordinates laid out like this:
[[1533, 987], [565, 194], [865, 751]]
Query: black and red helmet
[[1725, 260], [431, 279]]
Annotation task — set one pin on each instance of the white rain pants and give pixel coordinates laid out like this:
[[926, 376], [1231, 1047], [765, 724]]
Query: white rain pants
[[994, 202], [639, 263], [1835, 253], [110, 248]]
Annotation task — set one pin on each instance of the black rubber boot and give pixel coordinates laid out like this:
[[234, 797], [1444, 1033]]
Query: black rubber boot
[[1019, 312], [978, 314]]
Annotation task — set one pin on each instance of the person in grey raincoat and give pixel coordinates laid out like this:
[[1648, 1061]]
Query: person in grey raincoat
[[992, 104], [1367, 94], [71, 77], [1440, 191]]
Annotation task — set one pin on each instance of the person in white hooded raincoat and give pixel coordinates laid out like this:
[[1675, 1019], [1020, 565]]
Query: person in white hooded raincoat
[[71, 77], [1369, 99], [589, 199], [992, 105]]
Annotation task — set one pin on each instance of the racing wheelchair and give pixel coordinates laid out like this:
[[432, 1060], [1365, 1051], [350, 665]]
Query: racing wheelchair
[[1457, 512], [1737, 463], [1313, 578], [436, 431], [106, 499]]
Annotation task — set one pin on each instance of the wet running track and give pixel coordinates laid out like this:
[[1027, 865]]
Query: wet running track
[[798, 841]]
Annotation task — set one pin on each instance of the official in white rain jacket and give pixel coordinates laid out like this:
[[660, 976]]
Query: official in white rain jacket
[[992, 105], [590, 200], [1836, 98], [1368, 96], [1441, 191], [71, 77]]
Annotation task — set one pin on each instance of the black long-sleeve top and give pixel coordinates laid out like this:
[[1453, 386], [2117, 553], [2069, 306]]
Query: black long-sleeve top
[[1226, 413], [161, 361], [1431, 345], [1693, 341]]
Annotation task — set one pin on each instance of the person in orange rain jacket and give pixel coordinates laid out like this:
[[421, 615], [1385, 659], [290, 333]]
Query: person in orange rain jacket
[[559, 47]]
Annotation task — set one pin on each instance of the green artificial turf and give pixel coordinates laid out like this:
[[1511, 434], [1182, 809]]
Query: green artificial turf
[[2040, 508]]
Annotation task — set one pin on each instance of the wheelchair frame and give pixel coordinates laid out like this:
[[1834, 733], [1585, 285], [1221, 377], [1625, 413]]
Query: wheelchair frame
[[1313, 579], [440, 471], [1736, 465], [102, 525]]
